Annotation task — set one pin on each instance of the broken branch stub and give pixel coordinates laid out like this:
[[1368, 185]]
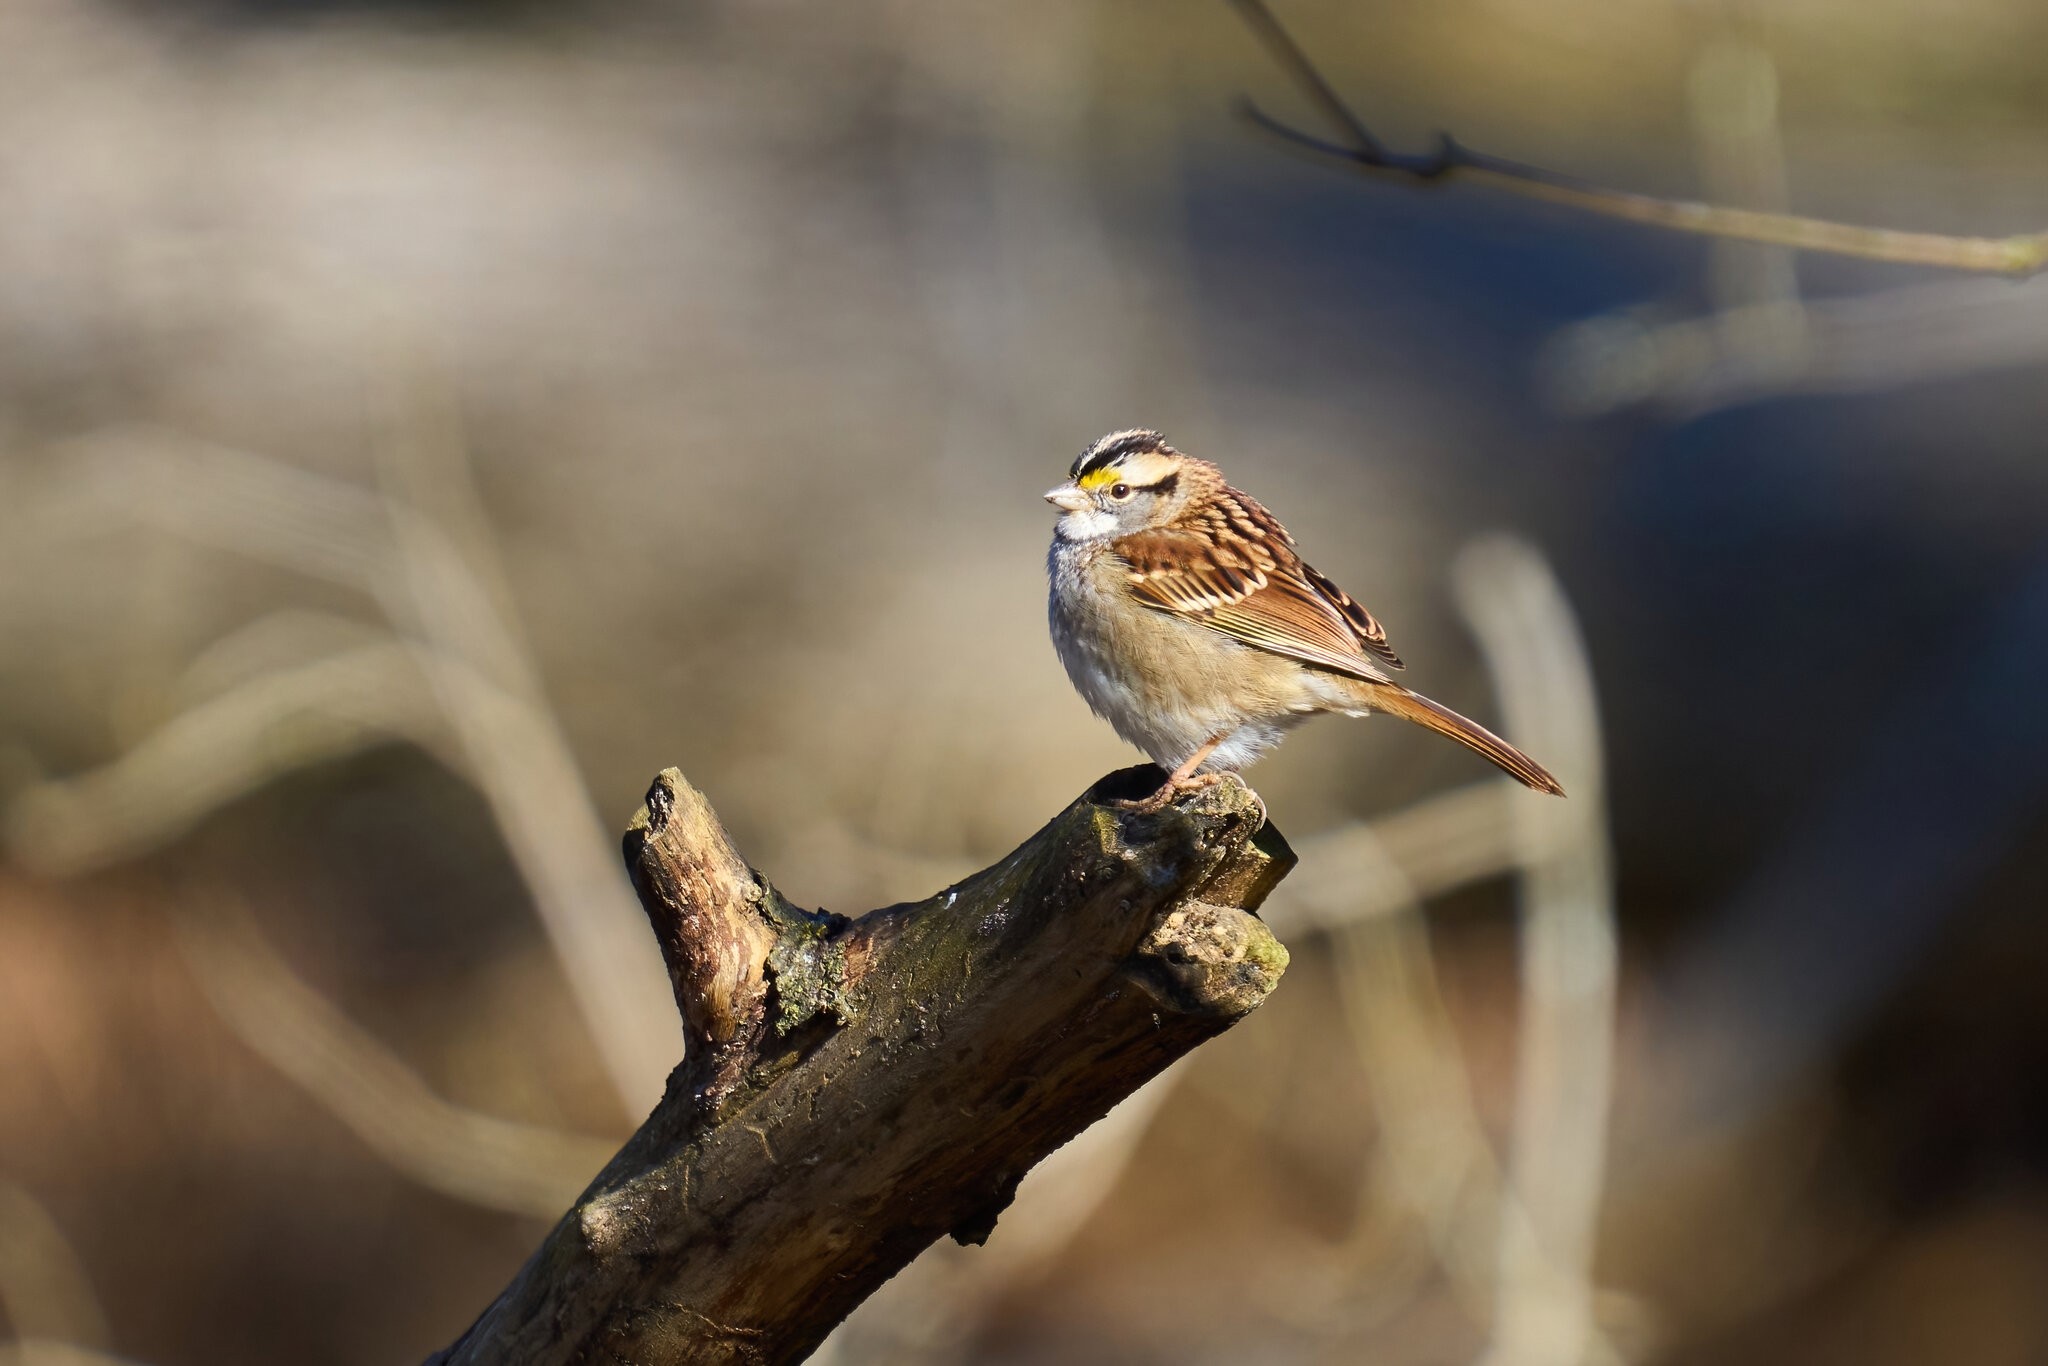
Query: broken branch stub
[[852, 1090]]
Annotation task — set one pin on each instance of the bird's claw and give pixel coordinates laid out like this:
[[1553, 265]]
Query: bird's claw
[[1173, 788]]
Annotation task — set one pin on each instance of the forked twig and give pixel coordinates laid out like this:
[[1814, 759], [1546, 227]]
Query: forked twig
[[2020, 255]]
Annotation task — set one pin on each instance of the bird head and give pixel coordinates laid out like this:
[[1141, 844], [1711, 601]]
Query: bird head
[[1126, 482]]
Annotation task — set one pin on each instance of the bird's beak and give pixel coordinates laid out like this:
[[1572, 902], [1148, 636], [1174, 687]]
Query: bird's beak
[[1068, 498]]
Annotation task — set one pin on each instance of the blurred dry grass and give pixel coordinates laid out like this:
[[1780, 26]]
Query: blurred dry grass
[[420, 423]]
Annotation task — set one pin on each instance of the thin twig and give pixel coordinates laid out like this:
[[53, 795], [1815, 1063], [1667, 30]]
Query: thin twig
[[2021, 254]]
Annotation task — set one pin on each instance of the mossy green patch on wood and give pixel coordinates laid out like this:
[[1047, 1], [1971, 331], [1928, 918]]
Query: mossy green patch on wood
[[1267, 953], [807, 966]]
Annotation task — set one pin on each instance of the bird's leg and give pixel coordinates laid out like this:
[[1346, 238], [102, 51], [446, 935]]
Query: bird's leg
[[1182, 779]]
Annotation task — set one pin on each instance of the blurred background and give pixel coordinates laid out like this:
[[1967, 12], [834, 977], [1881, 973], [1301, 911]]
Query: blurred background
[[422, 420]]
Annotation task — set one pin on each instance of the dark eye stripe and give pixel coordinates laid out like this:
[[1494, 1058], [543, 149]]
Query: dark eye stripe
[[1163, 487]]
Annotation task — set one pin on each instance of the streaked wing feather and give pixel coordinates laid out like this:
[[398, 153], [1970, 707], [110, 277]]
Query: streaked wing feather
[[1255, 590], [1371, 634]]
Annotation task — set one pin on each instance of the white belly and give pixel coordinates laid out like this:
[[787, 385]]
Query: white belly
[[1169, 707]]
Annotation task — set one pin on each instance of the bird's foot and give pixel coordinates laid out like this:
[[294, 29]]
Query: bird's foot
[[1174, 787]]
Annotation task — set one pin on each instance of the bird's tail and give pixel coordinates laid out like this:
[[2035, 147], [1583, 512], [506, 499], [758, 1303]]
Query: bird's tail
[[1395, 700]]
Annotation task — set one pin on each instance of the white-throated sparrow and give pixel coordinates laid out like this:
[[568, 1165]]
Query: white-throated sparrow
[[1188, 621]]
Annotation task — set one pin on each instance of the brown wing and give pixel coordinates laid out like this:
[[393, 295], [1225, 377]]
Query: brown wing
[[1233, 568], [1371, 634]]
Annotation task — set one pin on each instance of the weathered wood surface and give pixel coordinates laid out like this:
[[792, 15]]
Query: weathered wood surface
[[853, 1090]]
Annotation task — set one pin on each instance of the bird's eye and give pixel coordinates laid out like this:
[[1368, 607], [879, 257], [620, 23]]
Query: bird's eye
[[1120, 492]]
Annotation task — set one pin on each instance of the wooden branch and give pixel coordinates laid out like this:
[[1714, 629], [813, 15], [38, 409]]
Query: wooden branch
[[852, 1090], [2019, 255]]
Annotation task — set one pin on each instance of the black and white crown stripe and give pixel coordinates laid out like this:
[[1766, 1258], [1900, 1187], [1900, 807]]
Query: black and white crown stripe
[[1114, 447]]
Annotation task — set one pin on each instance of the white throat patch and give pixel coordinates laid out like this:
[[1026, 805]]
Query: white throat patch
[[1093, 524]]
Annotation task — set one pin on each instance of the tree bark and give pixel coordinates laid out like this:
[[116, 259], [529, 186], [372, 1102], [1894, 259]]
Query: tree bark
[[852, 1090]]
